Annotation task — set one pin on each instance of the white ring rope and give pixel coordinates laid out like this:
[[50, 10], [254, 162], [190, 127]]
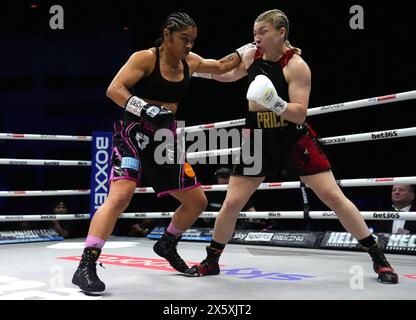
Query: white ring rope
[[37, 162], [369, 136], [44, 217], [408, 95], [24, 136], [44, 193], [367, 215], [371, 215], [366, 182], [377, 135]]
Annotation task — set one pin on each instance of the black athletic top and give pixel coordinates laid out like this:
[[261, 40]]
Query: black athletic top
[[273, 71], [155, 87]]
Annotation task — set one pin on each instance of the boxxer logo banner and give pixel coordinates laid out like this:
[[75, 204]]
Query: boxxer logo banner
[[100, 169]]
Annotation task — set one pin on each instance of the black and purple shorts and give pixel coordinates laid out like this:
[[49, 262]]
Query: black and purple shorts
[[133, 155]]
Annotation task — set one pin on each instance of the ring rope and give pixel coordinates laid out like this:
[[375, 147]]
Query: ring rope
[[365, 182], [39, 162], [367, 215], [50, 137], [408, 95], [369, 136]]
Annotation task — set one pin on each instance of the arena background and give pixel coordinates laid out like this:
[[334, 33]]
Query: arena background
[[54, 82]]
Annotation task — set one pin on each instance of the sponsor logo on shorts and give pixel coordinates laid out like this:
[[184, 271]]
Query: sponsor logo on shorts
[[130, 163], [188, 170]]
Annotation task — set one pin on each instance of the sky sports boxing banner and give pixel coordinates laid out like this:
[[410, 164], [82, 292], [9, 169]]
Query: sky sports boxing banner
[[307, 239], [390, 243], [284, 239], [100, 169]]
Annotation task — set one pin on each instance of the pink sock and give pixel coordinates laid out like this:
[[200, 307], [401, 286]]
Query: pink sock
[[94, 242], [175, 231]]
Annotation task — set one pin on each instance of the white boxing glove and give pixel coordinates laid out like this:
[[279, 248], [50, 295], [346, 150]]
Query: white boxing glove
[[262, 91]]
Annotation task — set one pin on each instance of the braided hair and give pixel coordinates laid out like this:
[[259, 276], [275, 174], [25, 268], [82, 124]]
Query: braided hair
[[176, 21]]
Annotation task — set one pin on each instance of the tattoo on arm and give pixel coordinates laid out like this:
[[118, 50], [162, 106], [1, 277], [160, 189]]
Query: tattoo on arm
[[229, 58]]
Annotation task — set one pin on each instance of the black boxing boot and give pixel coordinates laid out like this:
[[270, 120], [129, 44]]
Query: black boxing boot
[[166, 248], [208, 267], [85, 277], [381, 266]]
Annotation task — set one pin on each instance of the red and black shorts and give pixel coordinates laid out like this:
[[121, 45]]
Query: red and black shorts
[[135, 152], [286, 148]]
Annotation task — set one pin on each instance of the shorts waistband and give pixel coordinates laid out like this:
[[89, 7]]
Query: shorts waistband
[[148, 126]]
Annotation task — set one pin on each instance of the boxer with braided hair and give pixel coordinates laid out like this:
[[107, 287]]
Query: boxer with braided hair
[[150, 87]]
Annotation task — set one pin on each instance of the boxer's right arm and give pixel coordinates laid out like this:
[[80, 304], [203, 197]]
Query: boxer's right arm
[[132, 72]]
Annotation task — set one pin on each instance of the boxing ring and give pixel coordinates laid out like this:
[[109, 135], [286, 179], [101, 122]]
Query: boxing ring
[[43, 270]]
